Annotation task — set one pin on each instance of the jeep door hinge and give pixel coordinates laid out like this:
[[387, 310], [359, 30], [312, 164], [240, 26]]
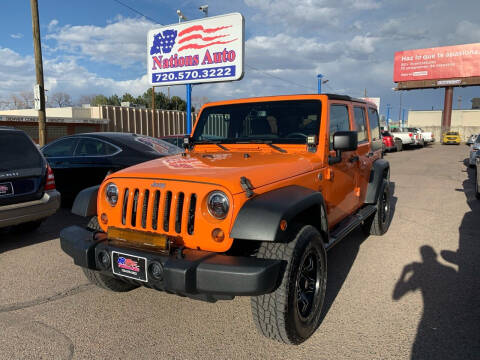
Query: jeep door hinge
[[247, 186]]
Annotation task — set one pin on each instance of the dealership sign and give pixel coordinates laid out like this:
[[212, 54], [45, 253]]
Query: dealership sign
[[460, 61], [206, 50]]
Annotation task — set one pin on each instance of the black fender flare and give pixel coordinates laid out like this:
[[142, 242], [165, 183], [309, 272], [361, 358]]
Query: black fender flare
[[380, 171], [259, 218], [85, 203]]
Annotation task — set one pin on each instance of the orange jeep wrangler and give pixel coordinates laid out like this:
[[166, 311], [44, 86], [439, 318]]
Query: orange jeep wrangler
[[265, 187]]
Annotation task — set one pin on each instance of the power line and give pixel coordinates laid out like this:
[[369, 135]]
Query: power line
[[249, 66], [276, 77], [138, 12]]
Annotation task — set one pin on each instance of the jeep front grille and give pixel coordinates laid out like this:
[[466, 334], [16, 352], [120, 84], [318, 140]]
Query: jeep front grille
[[155, 210]]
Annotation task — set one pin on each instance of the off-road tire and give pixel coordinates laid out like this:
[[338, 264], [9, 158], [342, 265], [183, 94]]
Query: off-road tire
[[107, 282], [93, 224], [277, 315], [379, 223]]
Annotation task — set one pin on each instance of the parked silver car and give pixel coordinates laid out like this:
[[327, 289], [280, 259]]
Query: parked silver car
[[474, 152]]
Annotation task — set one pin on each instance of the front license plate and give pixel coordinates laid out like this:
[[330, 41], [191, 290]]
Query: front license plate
[[6, 189], [133, 267]]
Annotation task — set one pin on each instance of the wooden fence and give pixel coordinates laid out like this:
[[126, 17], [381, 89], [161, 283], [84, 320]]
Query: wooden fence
[[142, 121]]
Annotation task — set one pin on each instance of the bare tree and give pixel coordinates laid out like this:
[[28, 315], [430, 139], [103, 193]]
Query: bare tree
[[86, 99], [60, 99]]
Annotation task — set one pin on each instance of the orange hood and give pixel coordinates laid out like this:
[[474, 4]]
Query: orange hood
[[223, 168]]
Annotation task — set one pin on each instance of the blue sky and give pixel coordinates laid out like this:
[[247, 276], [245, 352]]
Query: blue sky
[[93, 47]]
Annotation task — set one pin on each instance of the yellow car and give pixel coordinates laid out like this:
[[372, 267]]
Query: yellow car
[[451, 137]]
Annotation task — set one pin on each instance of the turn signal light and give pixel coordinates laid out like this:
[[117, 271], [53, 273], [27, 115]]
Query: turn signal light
[[218, 235]]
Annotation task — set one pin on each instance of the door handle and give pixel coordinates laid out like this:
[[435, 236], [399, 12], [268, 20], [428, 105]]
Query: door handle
[[354, 158]]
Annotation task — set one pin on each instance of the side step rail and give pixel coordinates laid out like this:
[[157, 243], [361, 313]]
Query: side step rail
[[349, 224]]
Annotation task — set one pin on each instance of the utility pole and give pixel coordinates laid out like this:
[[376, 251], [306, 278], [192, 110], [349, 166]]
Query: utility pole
[[39, 71], [400, 109], [365, 93]]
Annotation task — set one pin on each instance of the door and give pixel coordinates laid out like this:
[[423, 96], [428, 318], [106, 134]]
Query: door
[[340, 185], [59, 155], [363, 153], [91, 163]]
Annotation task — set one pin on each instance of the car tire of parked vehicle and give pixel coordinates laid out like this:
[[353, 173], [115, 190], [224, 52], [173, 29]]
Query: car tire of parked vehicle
[[379, 223], [398, 145], [291, 313]]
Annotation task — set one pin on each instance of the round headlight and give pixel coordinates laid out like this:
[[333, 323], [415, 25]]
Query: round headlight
[[111, 193], [217, 204]]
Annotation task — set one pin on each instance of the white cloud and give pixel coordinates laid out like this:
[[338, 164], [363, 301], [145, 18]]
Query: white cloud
[[467, 32], [16, 36], [122, 42], [403, 29], [52, 25]]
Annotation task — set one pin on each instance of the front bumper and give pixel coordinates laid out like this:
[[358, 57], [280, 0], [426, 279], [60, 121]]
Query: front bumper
[[198, 274], [20, 213]]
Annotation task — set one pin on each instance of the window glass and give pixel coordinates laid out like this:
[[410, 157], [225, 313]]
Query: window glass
[[93, 147], [374, 123], [339, 120], [360, 125], [17, 152], [287, 122], [63, 147]]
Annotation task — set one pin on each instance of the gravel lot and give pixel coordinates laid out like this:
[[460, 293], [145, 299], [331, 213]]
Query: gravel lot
[[413, 293]]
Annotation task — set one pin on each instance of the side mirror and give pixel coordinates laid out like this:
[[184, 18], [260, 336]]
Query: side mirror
[[343, 141]]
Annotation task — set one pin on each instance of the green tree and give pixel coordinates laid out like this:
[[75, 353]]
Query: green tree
[[114, 100], [128, 98], [99, 100]]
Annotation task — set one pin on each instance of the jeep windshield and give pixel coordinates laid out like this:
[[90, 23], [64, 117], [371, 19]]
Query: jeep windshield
[[281, 122]]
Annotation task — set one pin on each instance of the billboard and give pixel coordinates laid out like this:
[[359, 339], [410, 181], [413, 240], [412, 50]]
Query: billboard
[[447, 62], [199, 51]]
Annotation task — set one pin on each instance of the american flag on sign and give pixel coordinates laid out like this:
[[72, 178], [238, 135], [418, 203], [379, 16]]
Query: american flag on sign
[[198, 37]]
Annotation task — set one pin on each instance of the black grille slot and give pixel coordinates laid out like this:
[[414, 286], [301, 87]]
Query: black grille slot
[[166, 212], [178, 215], [191, 214], [156, 201], [124, 207], [145, 208], [134, 208]]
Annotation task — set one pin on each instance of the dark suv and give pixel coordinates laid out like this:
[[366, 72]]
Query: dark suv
[[27, 185]]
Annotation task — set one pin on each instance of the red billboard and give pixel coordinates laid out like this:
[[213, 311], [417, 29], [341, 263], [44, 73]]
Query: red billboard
[[459, 61]]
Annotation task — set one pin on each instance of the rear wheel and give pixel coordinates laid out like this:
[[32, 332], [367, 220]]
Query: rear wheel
[[291, 314], [379, 223]]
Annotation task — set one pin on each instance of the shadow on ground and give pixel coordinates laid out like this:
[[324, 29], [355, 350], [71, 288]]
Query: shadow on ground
[[450, 324], [14, 237]]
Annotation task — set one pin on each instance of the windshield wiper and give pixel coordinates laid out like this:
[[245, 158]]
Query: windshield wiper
[[266, 142], [218, 143]]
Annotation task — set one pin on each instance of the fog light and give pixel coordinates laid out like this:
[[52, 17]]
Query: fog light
[[104, 259], [156, 270], [218, 235], [104, 218]]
